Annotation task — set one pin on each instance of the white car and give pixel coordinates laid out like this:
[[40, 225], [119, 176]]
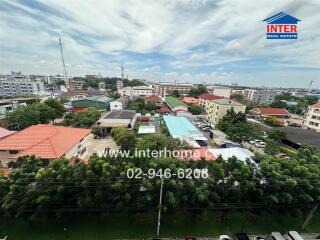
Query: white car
[[260, 144], [224, 237]]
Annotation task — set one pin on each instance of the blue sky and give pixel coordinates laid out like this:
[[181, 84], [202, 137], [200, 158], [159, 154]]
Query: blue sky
[[219, 41]]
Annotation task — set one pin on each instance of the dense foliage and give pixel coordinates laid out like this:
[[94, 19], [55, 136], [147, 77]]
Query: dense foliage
[[140, 106], [200, 89], [33, 187], [83, 119]]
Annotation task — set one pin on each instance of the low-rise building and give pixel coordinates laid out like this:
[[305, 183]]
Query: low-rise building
[[98, 102], [270, 112], [117, 119], [8, 105], [176, 105], [136, 91], [166, 88], [190, 100], [218, 108], [220, 91], [47, 142], [204, 98], [119, 104], [312, 118], [154, 99]]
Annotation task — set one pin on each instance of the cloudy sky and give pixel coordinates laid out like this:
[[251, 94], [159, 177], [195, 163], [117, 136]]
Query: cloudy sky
[[219, 41]]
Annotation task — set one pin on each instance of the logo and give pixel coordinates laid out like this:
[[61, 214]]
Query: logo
[[282, 26]]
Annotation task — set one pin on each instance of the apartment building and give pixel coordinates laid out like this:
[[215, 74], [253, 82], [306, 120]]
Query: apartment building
[[21, 87], [217, 109], [119, 84], [76, 84], [165, 88], [312, 118], [263, 96], [220, 91], [136, 91]]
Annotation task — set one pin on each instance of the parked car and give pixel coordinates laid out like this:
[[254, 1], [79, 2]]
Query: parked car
[[260, 144], [258, 238], [224, 237], [241, 236]]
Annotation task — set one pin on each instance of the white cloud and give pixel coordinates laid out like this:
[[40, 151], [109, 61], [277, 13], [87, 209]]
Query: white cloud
[[186, 40]]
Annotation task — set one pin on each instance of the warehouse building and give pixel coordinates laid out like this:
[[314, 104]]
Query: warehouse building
[[101, 103]]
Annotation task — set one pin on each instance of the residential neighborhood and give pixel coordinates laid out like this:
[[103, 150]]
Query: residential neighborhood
[[159, 120]]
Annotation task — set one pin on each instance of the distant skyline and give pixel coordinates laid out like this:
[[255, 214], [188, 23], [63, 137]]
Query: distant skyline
[[221, 41]]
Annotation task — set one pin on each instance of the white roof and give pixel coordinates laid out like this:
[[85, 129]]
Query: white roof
[[143, 129], [226, 153]]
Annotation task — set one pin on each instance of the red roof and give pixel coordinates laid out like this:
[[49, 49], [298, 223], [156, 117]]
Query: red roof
[[190, 100], [273, 111], [5, 171], [44, 141], [209, 96], [316, 105], [5, 132], [164, 109], [153, 98], [196, 154]]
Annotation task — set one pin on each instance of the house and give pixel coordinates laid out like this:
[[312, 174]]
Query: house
[[101, 103], [312, 118], [164, 110], [117, 119], [44, 141], [217, 109], [119, 104], [176, 105], [270, 112], [204, 98], [190, 100], [154, 99], [5, 132]]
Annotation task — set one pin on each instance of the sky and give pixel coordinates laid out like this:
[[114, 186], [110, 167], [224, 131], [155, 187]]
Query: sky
[[203, 41]]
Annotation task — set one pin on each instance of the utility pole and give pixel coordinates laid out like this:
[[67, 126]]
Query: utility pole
[[63, 64], [309, 217], [160, 205]]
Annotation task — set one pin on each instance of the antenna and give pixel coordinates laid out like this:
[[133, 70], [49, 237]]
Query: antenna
[[63, 65], [310, 84], [122, 71]]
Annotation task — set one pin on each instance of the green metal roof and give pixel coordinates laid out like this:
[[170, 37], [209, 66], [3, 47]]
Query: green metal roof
[[173, 102]]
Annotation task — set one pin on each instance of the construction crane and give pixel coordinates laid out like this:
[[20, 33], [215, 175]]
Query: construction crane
[[63, 64], [122, 71]]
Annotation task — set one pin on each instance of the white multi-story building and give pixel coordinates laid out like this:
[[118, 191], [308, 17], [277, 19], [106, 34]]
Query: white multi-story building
[[263, 96], [220, 91], [21, 87], [119, 84], [136, 91], [119, 104], [312, 118], [165, 88]]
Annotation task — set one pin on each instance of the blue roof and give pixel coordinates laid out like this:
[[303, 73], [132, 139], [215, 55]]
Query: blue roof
[[281, 18], [180, 126]]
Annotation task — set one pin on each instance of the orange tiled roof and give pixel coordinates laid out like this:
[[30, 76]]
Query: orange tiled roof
[[153, 98], [44, 141], [190, 100], [5, 132], [274, 111], [209, 96], [316, 105]]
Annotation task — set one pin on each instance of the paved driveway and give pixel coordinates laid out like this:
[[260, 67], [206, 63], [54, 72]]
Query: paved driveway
[[98, 145]]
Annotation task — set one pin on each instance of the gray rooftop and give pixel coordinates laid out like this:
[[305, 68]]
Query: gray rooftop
[[302, 136], [120, 114]]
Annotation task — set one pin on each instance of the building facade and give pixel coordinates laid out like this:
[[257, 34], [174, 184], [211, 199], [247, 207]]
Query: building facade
[[220, 91], [136, 91], [263, 96], [119, 104], [21, 87], [217, 109], [312, 118], [162, 89]]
